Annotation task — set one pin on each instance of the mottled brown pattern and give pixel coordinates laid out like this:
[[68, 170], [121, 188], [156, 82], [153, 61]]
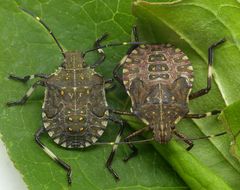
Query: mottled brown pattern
[[159, 86], [75, 109]]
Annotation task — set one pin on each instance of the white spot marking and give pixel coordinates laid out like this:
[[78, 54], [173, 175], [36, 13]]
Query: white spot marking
[[177, 50], [56, 140], [87, 144], [190, 68], [161, 127], [128, 60], [134, 52], [46, 125], [125, 82], [94, 139], [100, 132], [104, 123], [50, 133]]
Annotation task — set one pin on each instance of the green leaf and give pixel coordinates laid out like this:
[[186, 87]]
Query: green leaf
[[193, 26], [231, 119], [27, 48]]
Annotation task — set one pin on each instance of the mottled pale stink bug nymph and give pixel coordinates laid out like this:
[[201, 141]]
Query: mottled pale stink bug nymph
[[75, 112], [159, 79]]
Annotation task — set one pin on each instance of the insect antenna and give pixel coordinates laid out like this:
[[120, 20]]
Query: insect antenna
[[123, 142], [114, 44], [208, 136], [152, 139], [46, 27]]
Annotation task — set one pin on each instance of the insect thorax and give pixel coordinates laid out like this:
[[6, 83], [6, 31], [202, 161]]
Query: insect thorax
[[73, 60]]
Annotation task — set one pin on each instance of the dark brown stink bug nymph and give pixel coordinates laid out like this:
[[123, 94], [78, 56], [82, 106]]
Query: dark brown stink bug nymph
[[75, 112], [159, 79]]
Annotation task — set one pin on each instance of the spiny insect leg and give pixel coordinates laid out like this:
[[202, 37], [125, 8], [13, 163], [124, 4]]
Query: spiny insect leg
[[185, 139], [27, 95], [115, 146], [52, 155], [202, 115], [100, 51], [131, 146], [27, 77], [209, 77]]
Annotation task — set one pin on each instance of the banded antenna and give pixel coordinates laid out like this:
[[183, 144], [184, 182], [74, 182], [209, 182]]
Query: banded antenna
[[45, 26], [152, 139], [114, 44]]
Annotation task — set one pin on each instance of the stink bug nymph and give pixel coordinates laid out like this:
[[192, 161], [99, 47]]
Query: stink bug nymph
[[75, 112], [158, 79]]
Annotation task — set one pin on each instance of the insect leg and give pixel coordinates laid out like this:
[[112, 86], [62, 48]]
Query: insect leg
[[202, 115], [52, 155], [100, 51], [27, 77], [185, 139], [27, 95], [209, 77], [115, 146], [131, 146]]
